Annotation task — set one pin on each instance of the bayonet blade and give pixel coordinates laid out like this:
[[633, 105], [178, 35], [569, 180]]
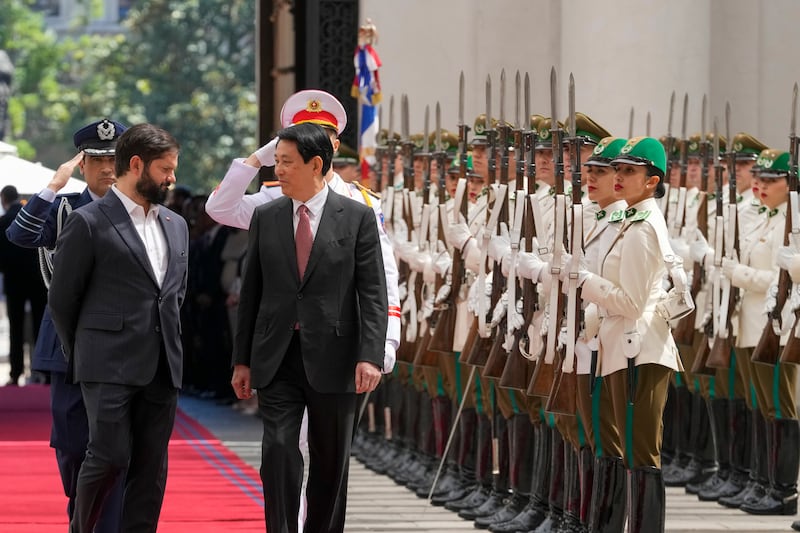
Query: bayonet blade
[[703, 132], [731, 146], [488, 102], [438, 127], [685, 115], [427, 131], [571, 96], [527, 101], [461, 99], [390, 134], [671, 111], [503, 96], [716, 143], [517, 97], [404, 127], [553, 103], [647, 130], [793, 124], [630, 124]]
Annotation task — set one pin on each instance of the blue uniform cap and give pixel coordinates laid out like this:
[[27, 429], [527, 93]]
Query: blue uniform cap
[[98, 138]]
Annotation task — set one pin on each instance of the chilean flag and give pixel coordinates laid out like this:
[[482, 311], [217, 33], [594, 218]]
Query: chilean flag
[[367, 88]]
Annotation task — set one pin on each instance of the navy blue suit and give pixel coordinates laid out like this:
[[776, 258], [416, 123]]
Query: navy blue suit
[[36, 225]]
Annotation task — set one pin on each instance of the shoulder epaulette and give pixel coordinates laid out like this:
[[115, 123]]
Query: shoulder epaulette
[[367, 190], [269, 184], [639, 216], [617, 216]]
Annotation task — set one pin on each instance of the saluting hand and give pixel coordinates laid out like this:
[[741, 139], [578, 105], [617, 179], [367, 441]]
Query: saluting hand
[[64, 172], [367, 377]]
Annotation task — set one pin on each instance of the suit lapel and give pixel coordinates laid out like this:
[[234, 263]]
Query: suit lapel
[[331, 215], [121, 220], [167, 221]]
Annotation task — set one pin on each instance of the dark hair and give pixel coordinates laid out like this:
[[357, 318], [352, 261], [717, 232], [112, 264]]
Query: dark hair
[[145, 140], [660, 189], [311, 141], [9, 194]]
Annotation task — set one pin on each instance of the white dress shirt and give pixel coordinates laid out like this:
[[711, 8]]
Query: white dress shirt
[[150, 231], [315, 205]]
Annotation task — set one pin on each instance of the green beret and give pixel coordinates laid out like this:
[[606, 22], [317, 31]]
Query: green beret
[[587, 128], [773, 164], [643, 151], [605, 151], [747, 147]]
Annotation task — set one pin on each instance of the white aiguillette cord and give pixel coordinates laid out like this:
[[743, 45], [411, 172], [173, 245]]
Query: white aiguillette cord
[[500, 195]]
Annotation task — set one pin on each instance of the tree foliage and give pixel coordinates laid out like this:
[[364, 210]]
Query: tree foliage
[[185, 65]]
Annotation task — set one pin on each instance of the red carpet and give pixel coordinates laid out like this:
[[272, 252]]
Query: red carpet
[[209, 489]]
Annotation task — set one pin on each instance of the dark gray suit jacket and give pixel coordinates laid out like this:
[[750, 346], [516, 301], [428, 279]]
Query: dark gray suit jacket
[[340, 304], [109, 312]]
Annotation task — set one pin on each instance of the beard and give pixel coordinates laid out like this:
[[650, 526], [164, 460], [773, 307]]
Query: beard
[[151, 191]]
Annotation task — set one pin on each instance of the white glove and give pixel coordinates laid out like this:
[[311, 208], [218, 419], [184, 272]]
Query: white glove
[[473, 296], [266, 154], [457, 235], [419, 261], [442, 263], [389, 357], [515, 318], [402, 290], [426, 310], [406, 250], [680, 246], [499, 310], [500, 245], [785, 257], [572, 263], [443, 293], [530, 266], [679, 278], [699, 249], [728, 266]]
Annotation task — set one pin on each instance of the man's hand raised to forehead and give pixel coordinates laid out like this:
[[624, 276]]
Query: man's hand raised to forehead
[[64, 173], [367, 377]]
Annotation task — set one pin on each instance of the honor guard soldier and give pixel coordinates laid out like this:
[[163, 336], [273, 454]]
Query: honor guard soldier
[[37, 225]]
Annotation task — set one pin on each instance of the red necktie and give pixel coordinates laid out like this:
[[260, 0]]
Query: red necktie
[[303, 239]]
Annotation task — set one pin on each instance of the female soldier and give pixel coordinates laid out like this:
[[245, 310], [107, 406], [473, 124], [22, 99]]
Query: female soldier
[[774, 385], [636, 350]]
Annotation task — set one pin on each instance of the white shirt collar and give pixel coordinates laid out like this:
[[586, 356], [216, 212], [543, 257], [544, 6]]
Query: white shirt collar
[[130, 205], [315, 204]]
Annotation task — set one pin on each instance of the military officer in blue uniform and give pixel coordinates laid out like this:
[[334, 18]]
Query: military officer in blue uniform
[[36, 226]]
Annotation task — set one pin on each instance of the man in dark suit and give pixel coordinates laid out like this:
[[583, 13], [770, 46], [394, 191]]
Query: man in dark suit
[[21, 282], [311, 330], [119, 280], [37, 225]]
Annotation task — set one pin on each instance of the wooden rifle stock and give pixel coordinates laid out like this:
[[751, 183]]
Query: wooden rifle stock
[[423, 356], [700, 364], [563, 397], [543, 377], [498, 356], [791, 352], [469, 343]]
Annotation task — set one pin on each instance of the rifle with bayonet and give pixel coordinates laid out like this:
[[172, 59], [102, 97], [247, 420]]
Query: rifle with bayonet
[[544, 374], [498, 354], [768, 349], [791, 352], [407, 349], [479, 352], [720, 356], [700, 364], [563, 395], [423, 356], [519, 369], [683, 333], [669, 147]]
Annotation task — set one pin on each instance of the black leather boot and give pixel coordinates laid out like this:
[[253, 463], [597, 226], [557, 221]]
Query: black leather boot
[[571, 523], [682, 459], [523, 452], [703, 447], [669, 439], [500, 491], [783, 445], [586, 466], [481, 461], [557, 478], [739, 450], [646, 499], [461, 459], [756, 488], [607, 513], [536, 509], [721, 429]]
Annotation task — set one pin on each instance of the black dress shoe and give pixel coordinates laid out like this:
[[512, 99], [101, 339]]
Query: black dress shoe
[[531, 516], [511, 508], [491, 505], [473, 500]]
